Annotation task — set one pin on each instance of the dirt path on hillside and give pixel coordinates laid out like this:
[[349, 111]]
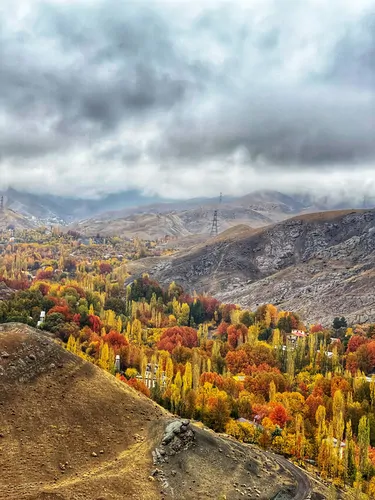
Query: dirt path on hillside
[[304, 489]]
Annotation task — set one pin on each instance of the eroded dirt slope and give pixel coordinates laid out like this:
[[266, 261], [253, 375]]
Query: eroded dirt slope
[[70, 431]]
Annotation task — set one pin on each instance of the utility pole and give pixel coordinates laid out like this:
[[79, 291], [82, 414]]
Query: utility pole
[[214, 228], [1, 203]]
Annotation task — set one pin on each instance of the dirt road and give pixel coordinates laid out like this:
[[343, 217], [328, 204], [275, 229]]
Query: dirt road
[[304, 490]]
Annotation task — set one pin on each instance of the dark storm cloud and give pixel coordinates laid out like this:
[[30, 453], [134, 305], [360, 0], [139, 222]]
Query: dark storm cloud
[[305, 127], [155, 94], [103, 66]]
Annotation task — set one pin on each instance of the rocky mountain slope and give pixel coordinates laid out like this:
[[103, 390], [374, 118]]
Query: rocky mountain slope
[[70, 431], [321, 265], [9, 219]]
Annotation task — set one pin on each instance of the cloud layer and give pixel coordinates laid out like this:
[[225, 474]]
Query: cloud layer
[[103, 96]]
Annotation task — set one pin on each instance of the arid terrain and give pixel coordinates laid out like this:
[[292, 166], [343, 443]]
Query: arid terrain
[[192, 217], [131, 216], [320, 265], [11, 219], [69, 430]]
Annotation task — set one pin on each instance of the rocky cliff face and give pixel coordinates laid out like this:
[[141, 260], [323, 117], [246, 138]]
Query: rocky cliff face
[[321, 265]]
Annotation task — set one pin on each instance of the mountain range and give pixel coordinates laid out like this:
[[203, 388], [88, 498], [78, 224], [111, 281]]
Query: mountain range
[[133, 214]]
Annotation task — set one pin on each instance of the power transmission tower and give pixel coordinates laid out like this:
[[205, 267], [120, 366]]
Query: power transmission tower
[[1, 203], [214, 229], [214, 225]]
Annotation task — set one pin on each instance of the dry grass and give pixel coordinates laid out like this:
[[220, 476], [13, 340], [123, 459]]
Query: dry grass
[[56, 410], [51, 415]]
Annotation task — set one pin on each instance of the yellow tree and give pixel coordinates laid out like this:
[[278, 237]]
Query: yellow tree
[[363, 443], [169, 370], [272, 391], [338, 409], [176, 392], [235, 316], [253, 334], [196, 376], [143, 365], [71, 345], [136, 331], [273, 313], [300, 437], [106, 357], [183, 319], [187, 379], [320, 417], [372, 390]]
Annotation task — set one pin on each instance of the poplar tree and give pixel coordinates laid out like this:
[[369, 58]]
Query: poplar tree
[[363, 443]]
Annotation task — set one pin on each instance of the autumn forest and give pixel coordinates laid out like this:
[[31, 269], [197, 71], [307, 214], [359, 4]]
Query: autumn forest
[[306, 391]]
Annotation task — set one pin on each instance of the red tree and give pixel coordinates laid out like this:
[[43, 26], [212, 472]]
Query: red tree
[[355, 342], [178, 336], [64, 310], [278, 415], [115, 340], [95, 323], [213, 378], [313, 402], [105, 268], [236, 361]]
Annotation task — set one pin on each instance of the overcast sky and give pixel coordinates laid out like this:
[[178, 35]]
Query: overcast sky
[[182, 100]]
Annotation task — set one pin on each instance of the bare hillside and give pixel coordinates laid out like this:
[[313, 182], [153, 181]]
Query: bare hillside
[[176, 223], [70, 431], [321, 265], [192, 217], [11, 219]]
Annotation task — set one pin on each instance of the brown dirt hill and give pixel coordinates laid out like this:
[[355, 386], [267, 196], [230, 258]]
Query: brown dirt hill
[[321, 265], [177, 223], [56, 410], [70, 431], [10, 218]]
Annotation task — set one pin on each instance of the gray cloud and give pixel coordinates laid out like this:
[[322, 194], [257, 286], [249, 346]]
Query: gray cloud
[[109, 96], [354, 57], [288, 127]]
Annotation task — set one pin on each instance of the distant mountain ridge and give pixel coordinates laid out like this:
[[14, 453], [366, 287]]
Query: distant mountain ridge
[[194, 217], [132, 213], [57, 209]]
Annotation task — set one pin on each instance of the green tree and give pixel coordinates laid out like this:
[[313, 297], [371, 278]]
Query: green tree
[[363, 443]]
